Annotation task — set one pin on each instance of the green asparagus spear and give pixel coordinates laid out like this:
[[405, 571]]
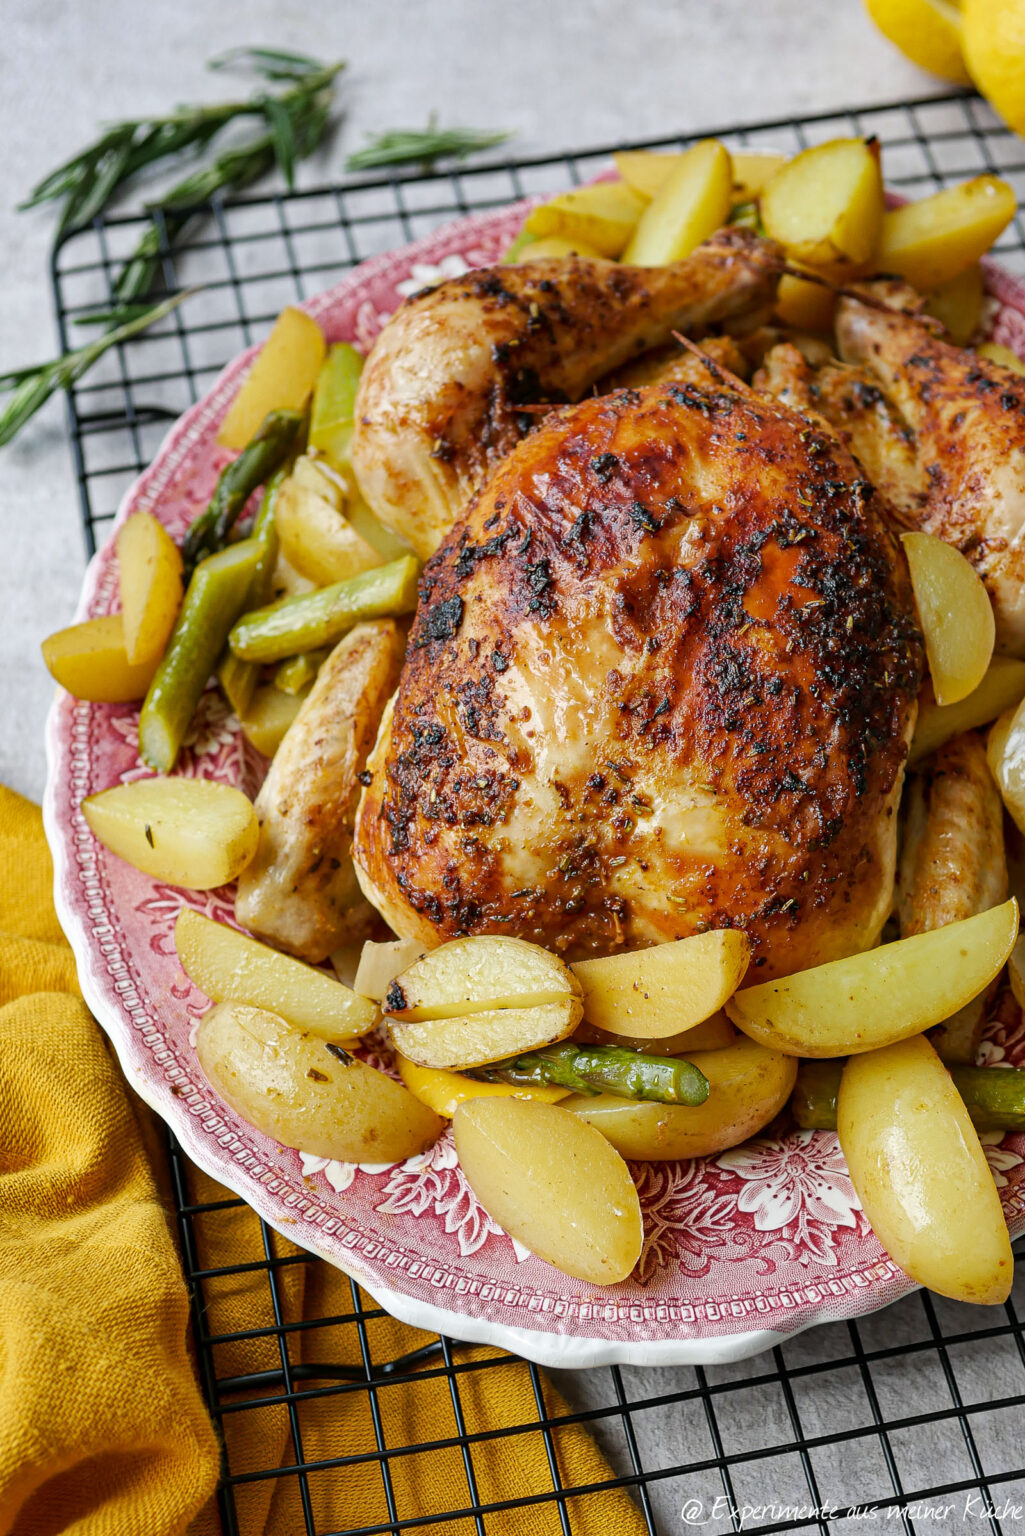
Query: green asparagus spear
[[298, 672], [993, 1096], [334, 401], [314, 619], [238, 678], [606, 1069], [254, 465]]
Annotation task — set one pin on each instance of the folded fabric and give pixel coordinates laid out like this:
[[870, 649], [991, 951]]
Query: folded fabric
[[102, 1426]]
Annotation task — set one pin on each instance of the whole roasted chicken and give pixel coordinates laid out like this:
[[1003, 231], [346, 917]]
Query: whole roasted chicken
[[661, 678]]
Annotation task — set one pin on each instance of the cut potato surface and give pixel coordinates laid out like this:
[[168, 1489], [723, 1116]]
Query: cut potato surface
[[921, 1174], [881, 996], [231, 967], [270, 713], [603, 216], [307, 1092], [149, 584], [316, 539], [997, 353], [281, 378], [691, 204], [379, 964], [484, 1036], [957, 304], [956, 614], [1005, 750], [91, 662], [444, 1091], [710, 1035], [665, 989], [554, 1183], [1002, 688], [748, 1085], [804, 305], [931, 241], [825, 206], [470, 975], [187, 832]]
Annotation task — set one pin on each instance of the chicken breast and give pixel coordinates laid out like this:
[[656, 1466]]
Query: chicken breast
[[441, 398], [661, 678]]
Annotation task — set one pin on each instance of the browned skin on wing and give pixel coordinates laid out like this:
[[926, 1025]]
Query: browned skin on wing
[[662, 678], [672, 364], [440, 400]]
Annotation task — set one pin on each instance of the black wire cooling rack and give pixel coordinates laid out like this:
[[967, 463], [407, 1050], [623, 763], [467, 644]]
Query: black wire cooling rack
[[912, 1418]]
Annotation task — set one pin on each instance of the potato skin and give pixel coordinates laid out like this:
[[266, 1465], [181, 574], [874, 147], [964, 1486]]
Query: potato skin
[[749, 1085], [921, 1174], [292, 1086]]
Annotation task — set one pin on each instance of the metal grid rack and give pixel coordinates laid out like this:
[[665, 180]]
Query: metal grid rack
[[847, 1417]]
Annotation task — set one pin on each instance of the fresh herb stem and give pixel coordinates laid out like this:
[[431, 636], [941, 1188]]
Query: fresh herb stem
[[404, 146]]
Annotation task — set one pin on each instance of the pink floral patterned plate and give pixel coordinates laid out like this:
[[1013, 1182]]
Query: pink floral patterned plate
[[740, 1250]]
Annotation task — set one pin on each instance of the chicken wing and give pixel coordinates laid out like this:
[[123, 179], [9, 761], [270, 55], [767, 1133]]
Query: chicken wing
[[441, 398], [661, 678]]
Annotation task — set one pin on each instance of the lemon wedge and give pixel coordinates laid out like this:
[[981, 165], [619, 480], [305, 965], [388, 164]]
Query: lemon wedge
[[994, 50], [928, 32]]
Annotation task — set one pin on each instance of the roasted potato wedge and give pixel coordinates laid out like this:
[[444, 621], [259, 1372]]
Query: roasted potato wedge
[[664, 989], [748, 1085], [712, 1034], [491, 1034], [552, 1182], [316, 539], [933, 240], [646, 170], [281, 378], [825, 206], [1002, 687], [149, 584], [444, 1091], [920, 1173], [956, 614], [468, 976], [997, 353], [90, 661], [881, 996], [270, 713], [230, 967], [603, 216], [188, 832], [691, 204], [306, 1092], [957, 304], [1005, 749], [804, 305]]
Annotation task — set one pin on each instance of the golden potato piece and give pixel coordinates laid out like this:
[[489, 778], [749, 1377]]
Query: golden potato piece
[[270, 713], [553, 1183], [664, 989], [231, 967], [748, 1085], [711, 1035], [603, 216], [691, 204], [281, 377], [486, 1035], [470, 975], [317, 540], [1002, 355], [149, 584], [804, 305], [1005, 749], [957, 304], [920, 1173], [826, 205], [886, 994], [188, 832], [956, 614], [931, 241], [444, 1091], [91, 662], [646, 170], [1002, 687], [308, 1093]]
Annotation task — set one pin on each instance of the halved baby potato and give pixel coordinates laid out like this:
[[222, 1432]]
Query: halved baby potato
[[886, 994], [470, 975], [91, 662], [316, 539], [1005, 750], [957, 304], [492, 1034], [748, 1085], [444, 1091], [1002, 687], [956, 614], [559, 245], [930, 241], [308, 1092], [690, 205], [281, 378], [996, 352], [646, 170], [603, 216], [232, 967], [920, 1173], [552, 1182], [150, 586], [712, 1034], [825, 206], [804, 305], [665, 989], [379, 964], [187, 832], [268, 717]]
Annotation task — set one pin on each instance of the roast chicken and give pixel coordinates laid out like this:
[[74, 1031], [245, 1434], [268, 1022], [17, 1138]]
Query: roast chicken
[[938, 429], [663, 672], [449, 386]]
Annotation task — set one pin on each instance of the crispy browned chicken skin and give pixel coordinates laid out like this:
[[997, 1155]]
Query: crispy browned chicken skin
[[440, 400], [661, 678]]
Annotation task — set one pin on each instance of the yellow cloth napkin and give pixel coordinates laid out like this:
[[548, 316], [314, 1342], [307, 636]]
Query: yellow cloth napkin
[[102, 1426]]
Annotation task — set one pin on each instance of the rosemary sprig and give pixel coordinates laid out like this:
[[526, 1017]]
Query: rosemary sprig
[[403, 146], [30, 388]]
